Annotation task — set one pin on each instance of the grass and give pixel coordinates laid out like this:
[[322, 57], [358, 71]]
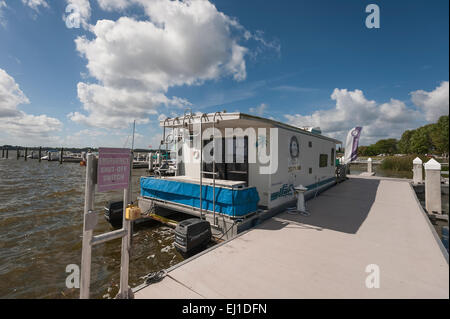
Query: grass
[[401, 164]]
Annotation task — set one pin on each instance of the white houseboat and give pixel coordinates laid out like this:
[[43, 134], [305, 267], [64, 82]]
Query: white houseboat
[[252, 174]]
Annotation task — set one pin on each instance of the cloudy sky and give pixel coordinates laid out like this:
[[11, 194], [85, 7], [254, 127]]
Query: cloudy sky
[[78, 72]]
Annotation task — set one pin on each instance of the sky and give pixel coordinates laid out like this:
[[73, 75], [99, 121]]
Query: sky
[[77, 73]]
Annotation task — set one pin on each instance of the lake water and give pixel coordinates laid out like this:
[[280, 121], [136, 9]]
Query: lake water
[[41, 209]]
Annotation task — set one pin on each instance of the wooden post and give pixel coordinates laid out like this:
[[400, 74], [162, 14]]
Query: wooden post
[[40, 153], [126, 240], [89, 222], [7, 150], [18, 152], [433, 187], [3, 152], [61, 156], [26, 153]]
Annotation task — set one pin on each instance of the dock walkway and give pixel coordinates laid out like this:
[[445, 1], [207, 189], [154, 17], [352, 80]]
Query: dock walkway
[[359, 222]]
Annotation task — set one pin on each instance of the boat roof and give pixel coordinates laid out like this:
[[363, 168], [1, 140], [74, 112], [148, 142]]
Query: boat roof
[[208, 118]]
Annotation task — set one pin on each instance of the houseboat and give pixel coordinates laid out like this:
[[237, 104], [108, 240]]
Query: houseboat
[[234, 169]]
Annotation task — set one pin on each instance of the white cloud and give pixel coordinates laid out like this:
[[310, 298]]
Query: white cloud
[[89, 132], [2, 17], [291, 88], [434, 103], [259, 110], [110, 5], [78, 13], [35, 4], [162, 117], [387, 120], [10, 95], [104, 138], [27, 125], [16, 123], [136, 62]]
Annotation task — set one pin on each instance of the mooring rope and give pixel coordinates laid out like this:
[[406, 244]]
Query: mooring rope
[[155, 277]]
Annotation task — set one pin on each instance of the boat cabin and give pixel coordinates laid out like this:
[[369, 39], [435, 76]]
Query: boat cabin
[[235, 164]]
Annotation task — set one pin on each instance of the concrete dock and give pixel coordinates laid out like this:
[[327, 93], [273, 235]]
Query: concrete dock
[[360, 222]]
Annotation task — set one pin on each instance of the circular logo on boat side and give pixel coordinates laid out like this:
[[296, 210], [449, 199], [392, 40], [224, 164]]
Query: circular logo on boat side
[[294, 147]]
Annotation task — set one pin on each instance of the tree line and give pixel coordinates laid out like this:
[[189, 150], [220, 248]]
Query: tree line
[[427, 139]]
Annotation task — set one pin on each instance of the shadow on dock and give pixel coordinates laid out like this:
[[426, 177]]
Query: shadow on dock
[[343, 216]]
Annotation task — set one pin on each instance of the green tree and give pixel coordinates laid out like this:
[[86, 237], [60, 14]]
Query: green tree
[[439, 135], [404, 145], [421, 142], [387, 146], [362, 150], [425, 139]]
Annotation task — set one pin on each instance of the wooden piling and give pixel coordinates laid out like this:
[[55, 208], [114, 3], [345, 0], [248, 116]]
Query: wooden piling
[[7, 151], [61, 156], [40, 153], [26, 153], [3, 152], [18, 152]]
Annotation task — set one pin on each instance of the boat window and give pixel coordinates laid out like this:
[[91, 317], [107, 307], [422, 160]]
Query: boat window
[[332, 157], [232, 167], [323, 160]]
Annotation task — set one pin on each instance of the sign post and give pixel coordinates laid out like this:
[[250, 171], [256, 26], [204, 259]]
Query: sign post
[[113, 171], [126, 245], [89, 222]]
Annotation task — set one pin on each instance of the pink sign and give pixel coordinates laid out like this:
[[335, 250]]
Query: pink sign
[[113, 171]]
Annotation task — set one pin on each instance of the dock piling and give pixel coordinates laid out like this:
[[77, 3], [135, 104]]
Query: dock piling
[[433, 186], [18, 152], [7, 150], [369, 165], [26, 153], [417, 171], [61, 156], [40, 153]]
